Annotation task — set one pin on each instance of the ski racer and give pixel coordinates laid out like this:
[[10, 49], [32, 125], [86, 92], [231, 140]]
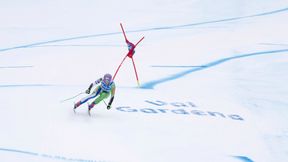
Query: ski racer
[[106, 87]]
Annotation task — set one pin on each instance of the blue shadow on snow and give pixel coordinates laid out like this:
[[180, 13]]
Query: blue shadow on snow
[[152, 84]]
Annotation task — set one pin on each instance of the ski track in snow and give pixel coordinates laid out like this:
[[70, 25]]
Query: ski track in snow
[[37, 44], [57, 157], [54, 157], [26, 85], [150, 84], [153, 83], [15, 67]]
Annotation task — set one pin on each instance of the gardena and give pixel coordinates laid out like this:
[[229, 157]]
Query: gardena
[[193, 112]]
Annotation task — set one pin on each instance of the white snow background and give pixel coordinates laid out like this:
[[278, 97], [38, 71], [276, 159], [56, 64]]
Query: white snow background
[[213, 78]]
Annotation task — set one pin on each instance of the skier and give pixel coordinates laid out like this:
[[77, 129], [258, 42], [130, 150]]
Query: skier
[[106, 87]]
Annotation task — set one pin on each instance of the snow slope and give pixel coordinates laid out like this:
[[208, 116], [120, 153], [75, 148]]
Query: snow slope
[[212, 81]]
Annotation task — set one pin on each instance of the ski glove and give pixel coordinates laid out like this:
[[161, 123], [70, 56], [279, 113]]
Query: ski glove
[[110, 102], [89, 89]]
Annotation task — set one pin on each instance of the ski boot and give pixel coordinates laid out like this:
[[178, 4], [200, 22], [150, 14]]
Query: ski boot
[[77, 104], [90, 107]]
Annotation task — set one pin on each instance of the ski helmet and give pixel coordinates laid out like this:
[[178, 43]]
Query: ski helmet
[[107, 79]]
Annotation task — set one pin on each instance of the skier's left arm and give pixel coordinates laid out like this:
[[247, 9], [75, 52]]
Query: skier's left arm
[[93, 84], [112, 96]]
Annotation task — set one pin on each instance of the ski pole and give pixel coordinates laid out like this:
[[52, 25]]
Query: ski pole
[[105, 103], [72, 97]]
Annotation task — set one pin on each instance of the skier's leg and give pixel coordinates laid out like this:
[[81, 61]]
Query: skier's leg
[[103, 95], [85, 99]]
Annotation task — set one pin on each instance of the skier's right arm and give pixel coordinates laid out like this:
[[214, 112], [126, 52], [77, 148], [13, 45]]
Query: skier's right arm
[[92, 84]]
